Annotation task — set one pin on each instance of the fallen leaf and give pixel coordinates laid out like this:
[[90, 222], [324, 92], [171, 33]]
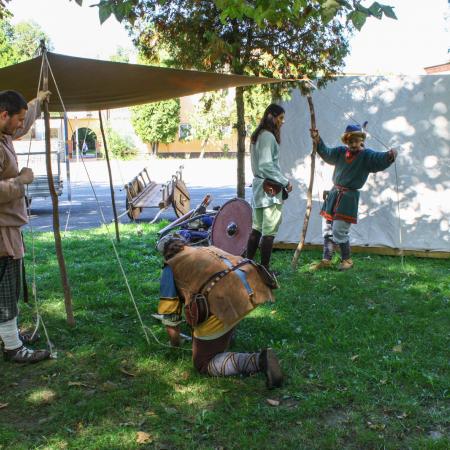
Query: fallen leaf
[[397, 348], [124, 371], [383, 381], [402, 416], [435, 435], [376, 426], [143, 438], [354, 357], [3, 405], [273, 312], [170, 410], [185, 375], [273, 402], [78, 383], [109, 386], [150, 413]]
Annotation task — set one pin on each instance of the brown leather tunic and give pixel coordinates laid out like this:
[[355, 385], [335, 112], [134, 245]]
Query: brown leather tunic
[[228, 300]]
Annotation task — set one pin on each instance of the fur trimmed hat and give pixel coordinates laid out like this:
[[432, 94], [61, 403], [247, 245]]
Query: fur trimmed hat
[[353, 130]]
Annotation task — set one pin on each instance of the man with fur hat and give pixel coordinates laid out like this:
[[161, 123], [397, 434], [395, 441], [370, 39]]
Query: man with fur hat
[[352, 165], [217, 290]]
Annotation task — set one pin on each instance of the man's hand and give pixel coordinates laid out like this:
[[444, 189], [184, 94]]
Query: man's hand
[[26, 175], [393, 154], [289, 187], [315, 135], [43, 96]]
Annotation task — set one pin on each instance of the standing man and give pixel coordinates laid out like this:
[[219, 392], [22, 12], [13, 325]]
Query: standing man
[[16, 118], [268, 184], [353, 163]]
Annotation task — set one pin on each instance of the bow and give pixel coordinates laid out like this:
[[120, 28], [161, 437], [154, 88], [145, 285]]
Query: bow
[[310, 187]]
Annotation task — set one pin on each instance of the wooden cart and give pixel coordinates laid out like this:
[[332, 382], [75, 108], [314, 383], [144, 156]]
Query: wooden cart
[[142, 192]]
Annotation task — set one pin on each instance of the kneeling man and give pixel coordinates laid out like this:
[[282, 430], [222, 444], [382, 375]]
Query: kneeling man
[[217, 290]]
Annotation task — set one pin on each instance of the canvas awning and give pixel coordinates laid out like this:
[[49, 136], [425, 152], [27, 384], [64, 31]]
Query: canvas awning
[[92, 85]]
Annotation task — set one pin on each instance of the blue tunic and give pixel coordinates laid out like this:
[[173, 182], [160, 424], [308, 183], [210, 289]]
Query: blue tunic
[[350, 173]]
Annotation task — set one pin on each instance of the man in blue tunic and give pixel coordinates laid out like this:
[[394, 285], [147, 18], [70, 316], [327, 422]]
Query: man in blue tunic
[[352, 165]]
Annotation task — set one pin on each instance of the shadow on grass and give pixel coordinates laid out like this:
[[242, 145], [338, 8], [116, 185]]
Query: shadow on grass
[[364, 352]]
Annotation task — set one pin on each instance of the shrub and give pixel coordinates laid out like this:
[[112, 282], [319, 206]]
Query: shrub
[[121, 146]]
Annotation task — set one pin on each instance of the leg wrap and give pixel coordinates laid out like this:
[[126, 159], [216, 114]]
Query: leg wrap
[[230, 363], [9, 333], [253, 244], [266, 250], [328, 248], [345, 250]]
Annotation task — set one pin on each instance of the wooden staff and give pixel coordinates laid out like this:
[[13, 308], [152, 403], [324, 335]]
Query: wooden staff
[[300, 245], [54, 197], [111, 187]]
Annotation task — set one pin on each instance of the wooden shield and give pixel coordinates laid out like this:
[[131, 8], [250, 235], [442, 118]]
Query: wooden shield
[[232, 226], [181, 200]]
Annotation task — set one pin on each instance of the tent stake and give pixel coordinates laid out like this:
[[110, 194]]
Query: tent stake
[[111, 187], [54, 197]]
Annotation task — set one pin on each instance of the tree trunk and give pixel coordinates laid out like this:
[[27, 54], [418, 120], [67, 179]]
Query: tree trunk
[[203, 148], [241, 133]]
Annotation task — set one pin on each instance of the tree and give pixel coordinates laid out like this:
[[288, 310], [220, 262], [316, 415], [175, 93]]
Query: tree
[[19, 43], [8, 54], [276, 38], [211, 120], [122, 54], [27, 37], [157, 122]]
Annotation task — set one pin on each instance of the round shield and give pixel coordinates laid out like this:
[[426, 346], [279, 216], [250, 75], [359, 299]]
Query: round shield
[[232, 226], [181, 200]]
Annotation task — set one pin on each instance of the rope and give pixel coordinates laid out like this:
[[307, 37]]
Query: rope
[[374, 136]]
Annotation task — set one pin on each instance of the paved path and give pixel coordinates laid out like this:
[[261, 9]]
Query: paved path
[[214, 176]]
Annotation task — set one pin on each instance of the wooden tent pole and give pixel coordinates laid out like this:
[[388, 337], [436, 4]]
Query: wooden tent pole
[[54, 197], [111, 187]]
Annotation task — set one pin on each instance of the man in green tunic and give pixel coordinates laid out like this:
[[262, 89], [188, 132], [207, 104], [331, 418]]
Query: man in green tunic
[[352, 165]]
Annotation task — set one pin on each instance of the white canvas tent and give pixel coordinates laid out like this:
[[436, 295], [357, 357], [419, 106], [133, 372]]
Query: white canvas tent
[[410, 113]]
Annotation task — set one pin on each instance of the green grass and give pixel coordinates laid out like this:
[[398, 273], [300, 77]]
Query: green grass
[[365, 353]]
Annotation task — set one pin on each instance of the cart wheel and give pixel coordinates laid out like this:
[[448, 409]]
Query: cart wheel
[[181, 200], [134, 213]]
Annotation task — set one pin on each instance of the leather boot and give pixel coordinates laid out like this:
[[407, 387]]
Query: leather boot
[[253, 244], [268, 363], [266, 250]]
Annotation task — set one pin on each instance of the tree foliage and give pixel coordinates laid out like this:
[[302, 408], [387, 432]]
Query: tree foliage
[[121, 146], [211, 120], [274, 38], [157, 122], [20, 42]]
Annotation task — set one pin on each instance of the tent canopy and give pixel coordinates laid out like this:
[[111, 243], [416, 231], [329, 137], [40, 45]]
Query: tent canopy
[[92, 85]]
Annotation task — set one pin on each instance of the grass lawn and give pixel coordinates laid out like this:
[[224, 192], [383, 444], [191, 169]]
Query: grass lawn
[[365, 353]]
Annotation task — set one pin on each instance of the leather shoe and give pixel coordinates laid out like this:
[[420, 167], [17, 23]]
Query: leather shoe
[[24, 355]]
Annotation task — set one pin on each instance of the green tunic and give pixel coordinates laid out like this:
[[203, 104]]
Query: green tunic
[[265, 164], [350, 174]]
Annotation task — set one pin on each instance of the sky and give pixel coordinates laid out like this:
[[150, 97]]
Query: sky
[[417, 39]]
